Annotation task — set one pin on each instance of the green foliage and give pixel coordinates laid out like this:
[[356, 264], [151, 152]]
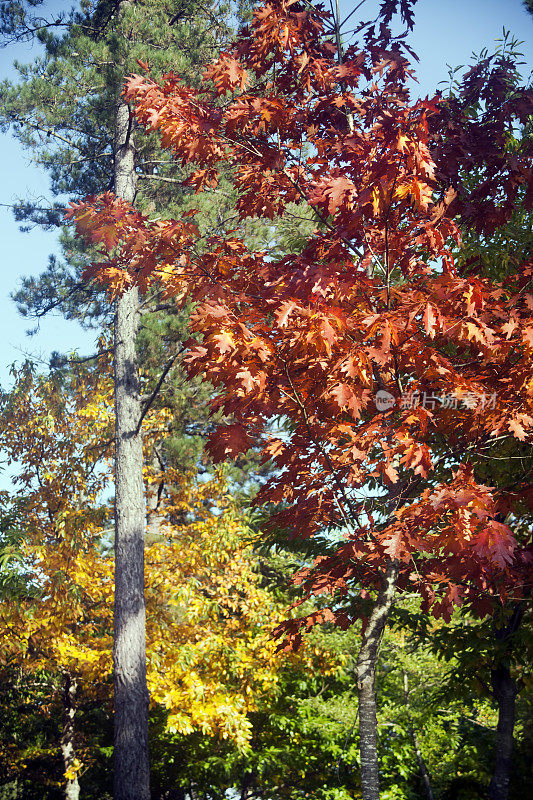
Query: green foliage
[[62, 111], [305, 736], [30, 728]]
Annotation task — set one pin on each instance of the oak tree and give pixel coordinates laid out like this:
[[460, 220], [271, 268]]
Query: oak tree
[[390, 366]]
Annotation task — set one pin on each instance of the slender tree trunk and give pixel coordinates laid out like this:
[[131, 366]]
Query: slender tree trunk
[[422, 768], [504, 690], [68, 749], [131, 764], [366, 677], [245, 785]]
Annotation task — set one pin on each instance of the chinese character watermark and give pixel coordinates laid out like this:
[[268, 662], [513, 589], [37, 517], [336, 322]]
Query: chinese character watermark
[[469, 400], [414, 399]]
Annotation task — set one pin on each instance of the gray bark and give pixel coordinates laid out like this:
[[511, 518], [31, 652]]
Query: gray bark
[[68, 749], [131, 763], [366, 677]]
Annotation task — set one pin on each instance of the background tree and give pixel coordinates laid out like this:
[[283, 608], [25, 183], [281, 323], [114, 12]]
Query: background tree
[[57, 443]]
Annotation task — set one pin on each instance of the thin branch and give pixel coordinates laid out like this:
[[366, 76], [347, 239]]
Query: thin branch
[[158, 386], [31, 207], [48, 131], [299, 402], [345, 20], [87, 358], [155, 177], [78, 287]]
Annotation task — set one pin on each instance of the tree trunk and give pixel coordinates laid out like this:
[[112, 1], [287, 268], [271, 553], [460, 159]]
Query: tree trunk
[[246, 784], [131, 764], [422, 768], [505, 691], [68, 749], [366, 676]]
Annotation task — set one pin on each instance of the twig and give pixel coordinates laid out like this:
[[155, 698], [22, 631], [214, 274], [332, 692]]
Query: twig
[[158, 385]]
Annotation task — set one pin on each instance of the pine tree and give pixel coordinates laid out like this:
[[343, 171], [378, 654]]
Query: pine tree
[[61, 110], [71, 98]]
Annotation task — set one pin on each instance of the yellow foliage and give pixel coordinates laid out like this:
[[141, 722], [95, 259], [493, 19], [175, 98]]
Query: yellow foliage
[[73, 770], [209, 622], [210, 653]]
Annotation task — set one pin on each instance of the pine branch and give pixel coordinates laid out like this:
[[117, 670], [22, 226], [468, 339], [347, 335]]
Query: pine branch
[[155, 177], [158, 386]]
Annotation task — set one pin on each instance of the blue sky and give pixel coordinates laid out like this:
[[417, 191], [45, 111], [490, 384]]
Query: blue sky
[[446, 32], [26, 253]]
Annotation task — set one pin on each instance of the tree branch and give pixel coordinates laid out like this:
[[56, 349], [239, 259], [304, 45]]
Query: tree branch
[[158, 386]]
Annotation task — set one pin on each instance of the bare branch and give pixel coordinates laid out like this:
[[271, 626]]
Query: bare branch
[[158, 386]]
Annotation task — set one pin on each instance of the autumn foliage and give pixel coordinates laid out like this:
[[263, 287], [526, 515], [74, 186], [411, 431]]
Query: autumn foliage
[[211, 660], [372, 303]]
